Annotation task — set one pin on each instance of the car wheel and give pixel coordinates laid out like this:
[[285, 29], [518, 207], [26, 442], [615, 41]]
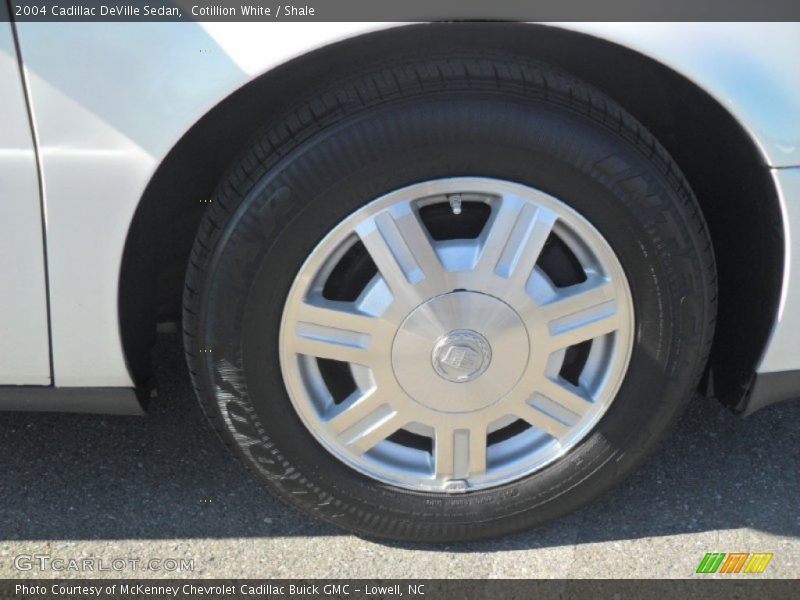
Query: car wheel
[[449, 300]]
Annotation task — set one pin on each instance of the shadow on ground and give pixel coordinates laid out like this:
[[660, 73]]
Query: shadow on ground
[[167, 476]]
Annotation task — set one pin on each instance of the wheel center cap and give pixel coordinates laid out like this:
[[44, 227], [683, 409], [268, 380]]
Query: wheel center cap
[[461, 356], [460, 352]]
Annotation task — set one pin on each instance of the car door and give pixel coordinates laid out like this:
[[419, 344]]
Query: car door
[[24, 340]]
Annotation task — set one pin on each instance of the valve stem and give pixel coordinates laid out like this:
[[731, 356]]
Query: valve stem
[[455, 203]]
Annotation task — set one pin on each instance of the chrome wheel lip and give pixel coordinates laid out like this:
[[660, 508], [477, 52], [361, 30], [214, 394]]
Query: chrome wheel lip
[[514, 460]]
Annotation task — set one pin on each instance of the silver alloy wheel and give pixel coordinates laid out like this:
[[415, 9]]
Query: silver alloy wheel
[[456, 349]]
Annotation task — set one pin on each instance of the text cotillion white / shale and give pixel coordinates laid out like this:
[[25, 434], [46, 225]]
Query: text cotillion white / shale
[[253, 10]]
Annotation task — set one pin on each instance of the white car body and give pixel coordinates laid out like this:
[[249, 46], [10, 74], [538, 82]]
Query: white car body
[[97, 107]]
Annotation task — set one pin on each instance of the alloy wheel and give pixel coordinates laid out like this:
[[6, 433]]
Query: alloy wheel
[[456, 334]]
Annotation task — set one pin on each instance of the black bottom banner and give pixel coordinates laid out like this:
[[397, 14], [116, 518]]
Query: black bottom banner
[[428, 589]]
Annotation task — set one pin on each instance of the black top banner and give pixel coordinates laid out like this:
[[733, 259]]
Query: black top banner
[[403, 10]]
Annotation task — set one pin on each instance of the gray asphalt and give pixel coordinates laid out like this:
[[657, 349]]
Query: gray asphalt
[[163, 487]]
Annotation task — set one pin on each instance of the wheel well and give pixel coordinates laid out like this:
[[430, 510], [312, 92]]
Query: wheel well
[[721, 162]]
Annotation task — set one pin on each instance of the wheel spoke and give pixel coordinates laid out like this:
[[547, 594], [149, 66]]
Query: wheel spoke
[[579, 297], [341, 316], [332, 344], [554, 408], [332, 349], [498, 230], [477, 450], [380, 421], [516, 236], [587, 312], [354, 408], [402, 250], [336, 331], [541, 420], [459, 453], [570, 398]]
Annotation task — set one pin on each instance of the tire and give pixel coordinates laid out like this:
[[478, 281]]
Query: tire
[[502, 119]]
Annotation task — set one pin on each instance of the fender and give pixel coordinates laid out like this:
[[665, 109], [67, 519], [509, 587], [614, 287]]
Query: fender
[[110, 100]]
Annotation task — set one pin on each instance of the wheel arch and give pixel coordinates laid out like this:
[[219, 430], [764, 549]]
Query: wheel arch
[[721, 161]]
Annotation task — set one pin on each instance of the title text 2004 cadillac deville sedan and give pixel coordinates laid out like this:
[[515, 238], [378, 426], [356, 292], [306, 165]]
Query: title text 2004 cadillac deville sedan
[[436, 281]]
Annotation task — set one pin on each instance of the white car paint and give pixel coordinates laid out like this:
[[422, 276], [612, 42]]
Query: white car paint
[[109, 100], [781, 352], [24, 344]]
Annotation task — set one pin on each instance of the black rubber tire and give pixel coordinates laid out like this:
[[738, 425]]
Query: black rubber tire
[[341, 148]]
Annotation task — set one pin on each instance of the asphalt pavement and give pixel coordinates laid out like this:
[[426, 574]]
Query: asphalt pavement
[[163, 488]]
